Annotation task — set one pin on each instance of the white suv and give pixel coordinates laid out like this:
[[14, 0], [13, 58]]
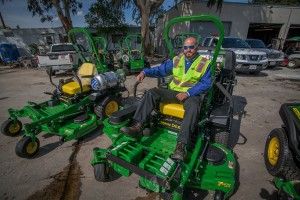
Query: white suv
[[247, 59]]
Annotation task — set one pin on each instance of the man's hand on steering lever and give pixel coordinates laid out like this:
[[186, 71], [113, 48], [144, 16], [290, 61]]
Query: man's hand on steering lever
[[182, 96], [140, 77]]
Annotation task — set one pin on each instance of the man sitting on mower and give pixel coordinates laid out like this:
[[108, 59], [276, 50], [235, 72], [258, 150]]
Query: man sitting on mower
[[191, 78]]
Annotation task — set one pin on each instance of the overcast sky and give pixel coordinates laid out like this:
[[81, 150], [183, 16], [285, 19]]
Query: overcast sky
[[15, 13]]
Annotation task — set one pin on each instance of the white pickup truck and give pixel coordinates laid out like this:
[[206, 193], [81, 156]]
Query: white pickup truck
[[247, 59], [61, 57]]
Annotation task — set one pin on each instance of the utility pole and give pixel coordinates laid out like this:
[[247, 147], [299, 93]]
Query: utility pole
[[2, 22]]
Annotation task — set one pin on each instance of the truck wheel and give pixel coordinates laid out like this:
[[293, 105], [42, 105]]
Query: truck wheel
[[11, 127], [278, 158], [101, 172], [291, 64], [27, 148]]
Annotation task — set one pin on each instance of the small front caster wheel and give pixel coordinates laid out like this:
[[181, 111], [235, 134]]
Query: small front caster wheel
[[11, 127], [101, 172], [27, 148]]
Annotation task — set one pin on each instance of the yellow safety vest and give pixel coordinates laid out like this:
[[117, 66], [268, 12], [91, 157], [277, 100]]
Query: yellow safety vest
[[182, 81]]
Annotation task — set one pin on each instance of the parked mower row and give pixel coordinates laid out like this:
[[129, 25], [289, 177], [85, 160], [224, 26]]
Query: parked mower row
[[79, 105]]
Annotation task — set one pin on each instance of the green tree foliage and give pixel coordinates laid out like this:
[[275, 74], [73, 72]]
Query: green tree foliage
[[103, 17], [146, 8], [48, 9]]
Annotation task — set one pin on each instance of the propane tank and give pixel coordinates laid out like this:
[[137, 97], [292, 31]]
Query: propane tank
[[108, 80]]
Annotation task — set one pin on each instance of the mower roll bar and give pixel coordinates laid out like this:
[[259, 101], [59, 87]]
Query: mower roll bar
[[198, 18]]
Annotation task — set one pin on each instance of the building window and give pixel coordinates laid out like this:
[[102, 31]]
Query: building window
[[49, 40]]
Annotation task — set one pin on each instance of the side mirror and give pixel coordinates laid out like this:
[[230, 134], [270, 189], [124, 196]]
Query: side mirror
[[269, 46]]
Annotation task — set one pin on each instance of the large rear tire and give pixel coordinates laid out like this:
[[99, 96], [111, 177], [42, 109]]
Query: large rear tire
[[278, 157]]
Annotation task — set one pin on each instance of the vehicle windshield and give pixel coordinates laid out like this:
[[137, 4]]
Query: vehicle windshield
[[63, 47], [256, 44], [234, 43]]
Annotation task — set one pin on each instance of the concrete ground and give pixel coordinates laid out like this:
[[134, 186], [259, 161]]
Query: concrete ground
[[62, 171]]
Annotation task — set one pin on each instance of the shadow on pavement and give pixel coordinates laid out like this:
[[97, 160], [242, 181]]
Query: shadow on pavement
[[260, 74], [265, 194], [48, 148]]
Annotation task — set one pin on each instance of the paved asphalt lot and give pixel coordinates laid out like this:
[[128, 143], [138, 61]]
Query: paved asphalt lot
[[62, 171]]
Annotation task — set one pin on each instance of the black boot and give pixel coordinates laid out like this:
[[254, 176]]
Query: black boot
[[133, 130], [180, 151]]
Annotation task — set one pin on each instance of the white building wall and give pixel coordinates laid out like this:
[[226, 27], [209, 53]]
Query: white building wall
[[240, 16]]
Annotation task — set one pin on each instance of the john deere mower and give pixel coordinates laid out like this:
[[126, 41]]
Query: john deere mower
[[75, 109], [282, 152], [131, 56], [210, 163], [92, 49]]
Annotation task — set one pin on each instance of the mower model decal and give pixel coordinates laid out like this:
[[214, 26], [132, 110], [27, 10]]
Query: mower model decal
[[223, 184]]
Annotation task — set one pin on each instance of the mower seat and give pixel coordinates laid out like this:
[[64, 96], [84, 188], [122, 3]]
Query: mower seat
[[85, 74], [172, 109]]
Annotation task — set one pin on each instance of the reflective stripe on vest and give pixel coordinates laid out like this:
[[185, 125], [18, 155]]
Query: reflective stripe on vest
[[182, 81]]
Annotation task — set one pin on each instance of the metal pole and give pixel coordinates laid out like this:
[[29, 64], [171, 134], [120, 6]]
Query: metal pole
[[2, 21]]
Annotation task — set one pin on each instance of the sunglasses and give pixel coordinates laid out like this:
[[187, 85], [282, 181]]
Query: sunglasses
[[189, 47]]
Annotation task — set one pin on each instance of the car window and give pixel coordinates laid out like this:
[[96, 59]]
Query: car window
[[234, 43], [256, 44], [63, 47], [206, 42]]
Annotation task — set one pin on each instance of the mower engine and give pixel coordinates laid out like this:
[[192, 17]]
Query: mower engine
[[107, 80]]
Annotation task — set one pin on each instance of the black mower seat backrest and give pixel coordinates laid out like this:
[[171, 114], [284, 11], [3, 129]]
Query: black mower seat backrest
[[291, 121]]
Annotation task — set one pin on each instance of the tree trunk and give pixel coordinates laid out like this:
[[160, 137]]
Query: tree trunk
[[65, 20], [145, 32]]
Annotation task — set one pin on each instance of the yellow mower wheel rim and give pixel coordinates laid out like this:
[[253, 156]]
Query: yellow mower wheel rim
[[31, 147], [111, 107], [14, 128], [273, 151]]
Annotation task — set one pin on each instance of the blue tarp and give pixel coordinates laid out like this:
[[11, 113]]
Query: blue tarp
[[9, 53]]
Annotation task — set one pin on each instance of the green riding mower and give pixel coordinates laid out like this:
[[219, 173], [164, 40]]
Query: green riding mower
[[282, 152], [77, 106], [131, 57], [210, 164], [92, 49]]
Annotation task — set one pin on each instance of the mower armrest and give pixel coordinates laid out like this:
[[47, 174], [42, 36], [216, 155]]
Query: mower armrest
[[122, 115]]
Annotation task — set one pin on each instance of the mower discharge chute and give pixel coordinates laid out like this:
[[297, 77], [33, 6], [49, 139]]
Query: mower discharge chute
[[210, 163], [282, 152], [131, 56], [77, 106]]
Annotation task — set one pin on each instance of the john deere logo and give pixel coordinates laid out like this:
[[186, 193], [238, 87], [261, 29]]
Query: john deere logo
[[222, 184]]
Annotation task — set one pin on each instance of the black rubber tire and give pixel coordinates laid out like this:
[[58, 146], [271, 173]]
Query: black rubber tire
[[221, 138], [285, 166], [254, 73], [219, 195], [166, 196], [99, 109], [101, 172], [5, 126], [292, 67], [21, 147]]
